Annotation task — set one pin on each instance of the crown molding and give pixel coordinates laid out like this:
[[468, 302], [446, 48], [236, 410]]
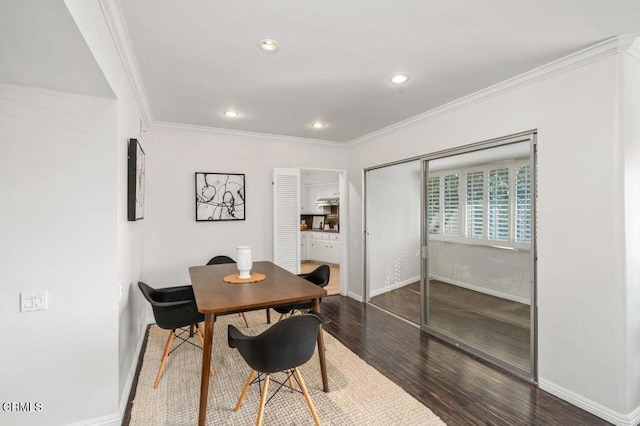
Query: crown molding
[[632, 47], [245, 134], [612, 46], [117, 26]]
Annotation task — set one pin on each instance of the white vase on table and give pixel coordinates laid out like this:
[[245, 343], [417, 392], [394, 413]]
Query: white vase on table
[[245, 261]]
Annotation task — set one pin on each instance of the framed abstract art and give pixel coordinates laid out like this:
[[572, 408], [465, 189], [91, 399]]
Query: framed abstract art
[[220, 197]]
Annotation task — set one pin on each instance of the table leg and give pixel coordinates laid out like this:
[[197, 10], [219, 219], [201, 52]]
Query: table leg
[[206, 363], [321, 352]]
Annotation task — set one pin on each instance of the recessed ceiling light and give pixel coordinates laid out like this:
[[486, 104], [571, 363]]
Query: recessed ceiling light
[[268, 45], [318, 125], [399, 79], [231, 114]]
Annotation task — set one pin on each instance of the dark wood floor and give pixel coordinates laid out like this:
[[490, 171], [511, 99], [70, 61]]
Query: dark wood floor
[[460, 388], [496, 326]]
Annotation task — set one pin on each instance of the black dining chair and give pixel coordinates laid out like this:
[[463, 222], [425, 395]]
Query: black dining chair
[[283, 347], [320, 277], [174, 309], [221, 260]]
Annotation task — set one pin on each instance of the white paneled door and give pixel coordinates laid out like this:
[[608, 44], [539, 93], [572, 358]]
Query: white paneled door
[[286, 219]]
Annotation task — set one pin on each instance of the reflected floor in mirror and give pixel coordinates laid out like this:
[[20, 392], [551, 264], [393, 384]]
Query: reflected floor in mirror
[[494, 325]]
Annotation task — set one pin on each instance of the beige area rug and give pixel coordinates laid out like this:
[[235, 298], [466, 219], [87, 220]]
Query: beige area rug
[[359, 394]]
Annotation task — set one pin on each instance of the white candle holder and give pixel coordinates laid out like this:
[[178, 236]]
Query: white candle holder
[[245, 261]]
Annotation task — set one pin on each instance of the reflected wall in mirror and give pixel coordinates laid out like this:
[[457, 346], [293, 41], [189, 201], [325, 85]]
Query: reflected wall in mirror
[[393, 209]]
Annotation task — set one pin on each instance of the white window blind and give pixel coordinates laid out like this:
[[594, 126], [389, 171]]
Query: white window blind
[[451, 205], [433, 199], [475, 204], [498, 205], [523, 204], [488, 203]]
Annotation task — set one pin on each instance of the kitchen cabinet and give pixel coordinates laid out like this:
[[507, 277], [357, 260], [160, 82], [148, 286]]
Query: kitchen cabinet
[[308, 201], [304, 197], [309, 194], [324, 247], [304, 246], [330, 190], [334, 250]]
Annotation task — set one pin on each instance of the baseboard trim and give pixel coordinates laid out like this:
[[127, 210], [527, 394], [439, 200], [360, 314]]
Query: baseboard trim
[[484, 290], [590, 406], [394, 286], [634, 417], [124, 399], [115, 419], [355, 296], [109, 420]]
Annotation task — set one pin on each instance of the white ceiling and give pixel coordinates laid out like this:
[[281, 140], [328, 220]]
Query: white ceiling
[[198, 58], [41, 46]]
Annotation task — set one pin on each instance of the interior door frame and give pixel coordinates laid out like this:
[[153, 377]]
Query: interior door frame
[[344, 223], [528, 136]]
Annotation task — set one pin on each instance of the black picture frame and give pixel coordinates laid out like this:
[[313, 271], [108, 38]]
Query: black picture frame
[[135, 181], [220, 197]]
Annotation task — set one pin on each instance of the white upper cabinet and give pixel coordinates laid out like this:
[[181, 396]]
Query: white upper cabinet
[[304, 196], [330, 190]]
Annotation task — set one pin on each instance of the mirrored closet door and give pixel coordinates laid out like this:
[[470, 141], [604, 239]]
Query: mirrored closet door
[[478, 252]]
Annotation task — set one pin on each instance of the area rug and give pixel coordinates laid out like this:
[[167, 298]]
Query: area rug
[[359, 394]]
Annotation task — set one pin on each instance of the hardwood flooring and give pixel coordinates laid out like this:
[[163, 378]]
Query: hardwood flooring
[[460, 388], [494, 325]]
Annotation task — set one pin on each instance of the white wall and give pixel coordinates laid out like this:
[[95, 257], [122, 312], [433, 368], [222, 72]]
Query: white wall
[[630, 135], [58, 233], [495, 271], [176, 241], [393, 201], [133, 311], [581, 282]]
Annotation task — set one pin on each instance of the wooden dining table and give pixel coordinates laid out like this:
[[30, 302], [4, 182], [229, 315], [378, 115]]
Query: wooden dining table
[[216, 297]]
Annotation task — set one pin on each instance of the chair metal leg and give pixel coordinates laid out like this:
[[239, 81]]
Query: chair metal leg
[[245, 388], [167, 348], [201, 338], [306, 396], [281, 316], [263, 400], [290, 380]]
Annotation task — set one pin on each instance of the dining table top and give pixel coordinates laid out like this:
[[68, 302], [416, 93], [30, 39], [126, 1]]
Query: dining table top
[[280, 287]]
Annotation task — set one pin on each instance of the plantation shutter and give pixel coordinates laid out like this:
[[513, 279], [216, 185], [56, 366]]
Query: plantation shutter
[[433, 207], [286, 219], [451, 205], [498, 205], [475, 204], [523, 204]]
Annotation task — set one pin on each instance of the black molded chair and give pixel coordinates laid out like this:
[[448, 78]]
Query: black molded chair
[[281, 348], [221, 260], [174, 308], [320, 277]]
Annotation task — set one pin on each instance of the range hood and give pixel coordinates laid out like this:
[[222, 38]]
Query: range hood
[[329, 201]]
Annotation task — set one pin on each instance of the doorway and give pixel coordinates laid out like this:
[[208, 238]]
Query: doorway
[[450, 247], [321, 223]]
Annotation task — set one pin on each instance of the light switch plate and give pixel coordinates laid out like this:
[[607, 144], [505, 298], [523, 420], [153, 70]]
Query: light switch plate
[[34, 301]]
